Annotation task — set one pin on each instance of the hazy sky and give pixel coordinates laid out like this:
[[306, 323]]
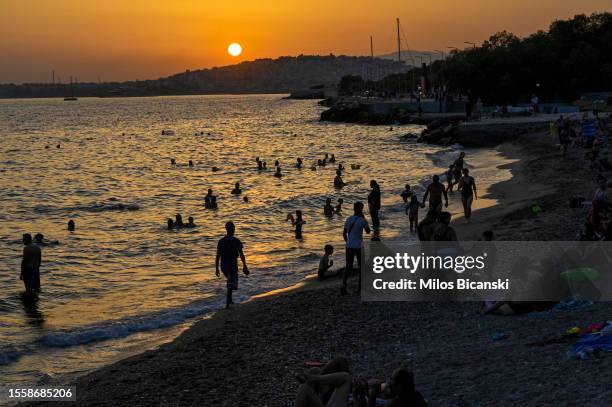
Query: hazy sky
[[146, 39]]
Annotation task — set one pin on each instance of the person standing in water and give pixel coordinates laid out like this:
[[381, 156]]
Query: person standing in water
[[298, 222], [338, 181], [328, 209], [458, 168], [353, 236], [30, 265], [374, 203], [236, 190], [467, 186], [229, 249], [435, 190]]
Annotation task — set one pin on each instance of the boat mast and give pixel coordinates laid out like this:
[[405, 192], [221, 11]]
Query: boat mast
[[399, 58]]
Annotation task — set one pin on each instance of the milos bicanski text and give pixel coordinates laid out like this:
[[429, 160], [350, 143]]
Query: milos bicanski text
[[440, 263]]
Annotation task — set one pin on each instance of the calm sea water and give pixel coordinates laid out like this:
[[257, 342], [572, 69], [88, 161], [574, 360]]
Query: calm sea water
[[121, 281]]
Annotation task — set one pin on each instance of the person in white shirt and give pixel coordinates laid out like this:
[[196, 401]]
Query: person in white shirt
[[353, 236]]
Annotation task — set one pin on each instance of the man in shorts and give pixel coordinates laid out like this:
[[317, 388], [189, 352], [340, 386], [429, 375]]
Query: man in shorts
[[229, 249]]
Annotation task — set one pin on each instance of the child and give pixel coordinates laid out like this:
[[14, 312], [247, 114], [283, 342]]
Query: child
[[338, 209], [406, 196], [450, 175], [325, 263], [328, 209], [297, 222], [413, 212]]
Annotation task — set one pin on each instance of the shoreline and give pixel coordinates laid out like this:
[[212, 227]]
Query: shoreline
[[257, 345]]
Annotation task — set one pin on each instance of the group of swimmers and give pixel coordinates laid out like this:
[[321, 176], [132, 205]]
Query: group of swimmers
[[178, 223]]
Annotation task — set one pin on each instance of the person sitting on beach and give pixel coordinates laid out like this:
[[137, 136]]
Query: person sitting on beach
[[298, 222], [426, 227], [71, 225], [399, 391], [278, 173], [229, 249], [413, 212], [30, 265], [178, 221], [236, 190], [329, 385], [170, 224], [435, 191], [338, 181], [332, 159], [353, 236], [467, 186], [338, 208], [328, 209], [190, 223], [325, 263], [298, 164], [444, 232]]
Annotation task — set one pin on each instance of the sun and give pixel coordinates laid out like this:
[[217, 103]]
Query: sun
[[234, 49]]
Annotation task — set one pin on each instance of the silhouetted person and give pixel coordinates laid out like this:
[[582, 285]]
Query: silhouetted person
[[328, 209], [332, 159], [229, 249], [236, 190], [298, 163], [170, 224], [338, 181], [277, 163], [374, 203], [190, 163], [353, 236], [338, 208], [190, 223], [30, 265], [208, 199], [297, 222], [172, 161], [435, 191], [278, 173], [178, 221], [71, 225]]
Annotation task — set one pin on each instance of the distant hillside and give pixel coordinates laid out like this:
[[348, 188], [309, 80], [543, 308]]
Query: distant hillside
[[280, 75]]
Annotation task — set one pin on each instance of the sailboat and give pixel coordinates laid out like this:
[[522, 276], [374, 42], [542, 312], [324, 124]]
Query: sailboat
[[71, 97]]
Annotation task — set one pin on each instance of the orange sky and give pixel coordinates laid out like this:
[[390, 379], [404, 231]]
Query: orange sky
[[146, 39]]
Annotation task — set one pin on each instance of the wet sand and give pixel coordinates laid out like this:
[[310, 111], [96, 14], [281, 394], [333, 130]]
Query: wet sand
[[246, 356]]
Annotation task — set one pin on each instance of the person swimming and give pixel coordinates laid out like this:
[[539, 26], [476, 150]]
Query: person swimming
[[313, 167], [190, 223], [39, 239], [340, 167], [213, 202], [277, 163], [265, 166], [332, 159], [236, 190], [338, 181], [245, 198], [208, 199], [328, 209], [190, 163], [71, 225], [259, 164], [178, 220], [338, 208], [170, 224], [172, 161], [298, 164], [278, 173]]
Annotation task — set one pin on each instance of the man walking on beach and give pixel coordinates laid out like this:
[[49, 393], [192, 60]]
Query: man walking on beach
[[374, 203], [435, 190], [353, 236], [228, 250], [30, 265]]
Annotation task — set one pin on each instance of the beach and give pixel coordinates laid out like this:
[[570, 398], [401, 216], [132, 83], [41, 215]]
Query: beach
[[247, 356]]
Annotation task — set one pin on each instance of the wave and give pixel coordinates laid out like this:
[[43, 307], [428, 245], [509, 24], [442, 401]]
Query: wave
[[127, 326], [95, 207]]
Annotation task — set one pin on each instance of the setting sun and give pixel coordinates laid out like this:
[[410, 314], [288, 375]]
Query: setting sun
[[234, 49]]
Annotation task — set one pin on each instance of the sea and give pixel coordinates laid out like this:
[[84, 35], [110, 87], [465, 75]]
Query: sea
[[121, 282]]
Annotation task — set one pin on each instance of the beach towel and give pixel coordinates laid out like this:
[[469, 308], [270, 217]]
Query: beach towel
[[589, 343]]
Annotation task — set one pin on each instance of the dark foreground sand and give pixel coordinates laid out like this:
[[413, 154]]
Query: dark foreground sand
[[246, 356]]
